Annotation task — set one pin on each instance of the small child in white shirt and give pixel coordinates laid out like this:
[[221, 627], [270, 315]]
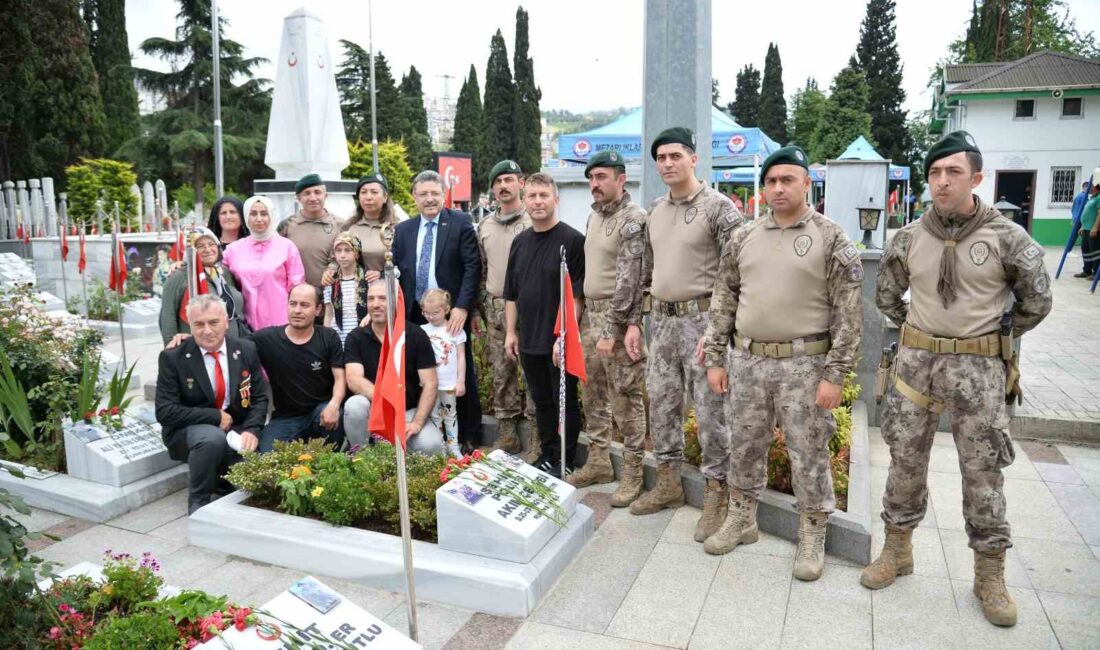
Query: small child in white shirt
[[450, 361]]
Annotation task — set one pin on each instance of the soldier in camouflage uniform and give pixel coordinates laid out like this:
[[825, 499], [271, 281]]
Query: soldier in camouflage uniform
[[959, 262], [686, 231], [494, 238], [789, 297], [613, 248]]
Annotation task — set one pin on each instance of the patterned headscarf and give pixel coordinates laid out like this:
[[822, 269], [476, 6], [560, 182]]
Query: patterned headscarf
[[360, 280]]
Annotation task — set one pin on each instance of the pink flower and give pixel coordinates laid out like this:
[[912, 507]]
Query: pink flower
[[191, 643], [55, 632]]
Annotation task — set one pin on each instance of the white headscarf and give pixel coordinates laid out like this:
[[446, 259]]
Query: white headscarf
[[270, 232]]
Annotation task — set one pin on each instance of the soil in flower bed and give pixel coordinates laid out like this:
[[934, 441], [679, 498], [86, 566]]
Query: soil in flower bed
[[373, 524]]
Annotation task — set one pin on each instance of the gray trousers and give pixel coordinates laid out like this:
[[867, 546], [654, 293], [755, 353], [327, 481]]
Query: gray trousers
[[208, 459], [357, 413]]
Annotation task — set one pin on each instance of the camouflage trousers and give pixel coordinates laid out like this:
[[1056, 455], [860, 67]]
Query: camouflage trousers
[[972, 387], [614, 387], [672, 372], [765, 393], [507, 396]]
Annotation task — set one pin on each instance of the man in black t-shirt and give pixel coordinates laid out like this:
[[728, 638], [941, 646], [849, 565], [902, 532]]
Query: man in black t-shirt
[[305, 368], [532, 293], [362, 351]]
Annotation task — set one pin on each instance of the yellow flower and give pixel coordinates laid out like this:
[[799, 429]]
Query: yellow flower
[[305, 458], [317, 491], [357, 459], [108, 589], [300, 471]]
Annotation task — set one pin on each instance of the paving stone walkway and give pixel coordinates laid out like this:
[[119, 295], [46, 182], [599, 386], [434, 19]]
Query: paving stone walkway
[[642, 582]]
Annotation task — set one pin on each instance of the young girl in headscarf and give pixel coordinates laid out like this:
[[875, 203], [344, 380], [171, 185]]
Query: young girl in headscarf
[[346, 297]]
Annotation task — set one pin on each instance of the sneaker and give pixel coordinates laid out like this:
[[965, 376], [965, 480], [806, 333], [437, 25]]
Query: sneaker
[[454, 450], [550, 467]]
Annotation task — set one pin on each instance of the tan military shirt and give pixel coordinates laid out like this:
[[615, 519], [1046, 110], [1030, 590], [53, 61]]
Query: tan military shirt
[[314, 240], [779, 284], [494, 238], [613, 248], [369, 233], [684, 242]]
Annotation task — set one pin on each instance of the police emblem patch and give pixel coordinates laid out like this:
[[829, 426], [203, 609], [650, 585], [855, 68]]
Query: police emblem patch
[[1042, 283], [609, 226], [635, 246], [690, 215], [855, 272], [979, 252], [518, 228], [802, 245]]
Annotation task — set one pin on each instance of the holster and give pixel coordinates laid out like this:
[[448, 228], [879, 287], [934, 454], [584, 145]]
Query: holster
[[883, 372], [1013, 391]]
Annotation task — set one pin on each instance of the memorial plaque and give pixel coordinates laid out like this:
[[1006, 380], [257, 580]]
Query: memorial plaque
[[116, 457], [345, 623], [475, 517]]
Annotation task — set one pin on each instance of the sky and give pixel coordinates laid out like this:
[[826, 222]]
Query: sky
[[588, 54]]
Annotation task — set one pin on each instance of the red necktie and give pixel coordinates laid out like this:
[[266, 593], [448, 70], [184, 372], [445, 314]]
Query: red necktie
[[219, 381]]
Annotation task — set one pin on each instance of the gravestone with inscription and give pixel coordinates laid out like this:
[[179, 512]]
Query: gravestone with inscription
[[478, 514], [117, 457], [295, 622], [142, 312]]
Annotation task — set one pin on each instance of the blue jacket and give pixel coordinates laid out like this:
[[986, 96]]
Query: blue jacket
[[1079, 202]]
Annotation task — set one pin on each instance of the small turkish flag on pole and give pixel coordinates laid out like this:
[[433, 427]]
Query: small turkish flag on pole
[[117, 280], [82, 262], [387, 414]]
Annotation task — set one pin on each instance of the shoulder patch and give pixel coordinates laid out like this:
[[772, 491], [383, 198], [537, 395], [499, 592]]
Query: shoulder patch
[[847, 254], [855, 272], [1030, 256], [632, 229]]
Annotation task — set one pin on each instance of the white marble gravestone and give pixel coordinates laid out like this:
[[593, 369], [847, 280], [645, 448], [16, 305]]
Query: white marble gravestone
[[14, 271], [142, 312], [472, 519], [345, 623], [115, 457]]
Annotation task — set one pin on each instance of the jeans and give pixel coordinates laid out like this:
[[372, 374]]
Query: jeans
[[428, 442], [295, 427], [543, 384]]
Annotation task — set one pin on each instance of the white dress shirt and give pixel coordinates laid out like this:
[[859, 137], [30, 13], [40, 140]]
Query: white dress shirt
[[432, 284], [223, 361]]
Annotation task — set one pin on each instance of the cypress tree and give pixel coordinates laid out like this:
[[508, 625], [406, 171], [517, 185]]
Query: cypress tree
[[469, 130], [807, 112], [111, 57], [773, 104], [526, 120], [745, 107], [418, 144], [500, 95], [845, 116], [877, 54], [353, 84], [50, 104]]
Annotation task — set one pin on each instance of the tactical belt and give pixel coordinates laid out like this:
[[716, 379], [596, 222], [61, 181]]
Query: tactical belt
[[986, 345], [597, 306], [812, 345], [492, 300], [682, 308]]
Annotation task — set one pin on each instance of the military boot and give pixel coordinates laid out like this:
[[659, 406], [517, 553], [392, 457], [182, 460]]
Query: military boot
[[989, 587], [597, 469], [508, 440], [630, 482], [896, 559], [716, 501], [810, 560], [668, 493], [738, 528], [534, 445]]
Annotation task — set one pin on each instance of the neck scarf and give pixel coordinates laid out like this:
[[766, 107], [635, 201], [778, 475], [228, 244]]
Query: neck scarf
[[941, 225]]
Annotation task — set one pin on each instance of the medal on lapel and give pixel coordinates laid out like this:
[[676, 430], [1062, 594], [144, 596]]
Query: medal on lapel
[[190, 383], [245, 389]]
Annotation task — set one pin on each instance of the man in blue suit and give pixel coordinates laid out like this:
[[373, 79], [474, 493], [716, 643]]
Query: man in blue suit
[[438, 249]]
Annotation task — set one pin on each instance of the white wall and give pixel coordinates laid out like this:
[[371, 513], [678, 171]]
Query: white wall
[[576, 199], [1048, 140]]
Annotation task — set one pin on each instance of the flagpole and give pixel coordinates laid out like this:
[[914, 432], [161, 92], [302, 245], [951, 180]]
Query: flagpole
[[563, 274], [399, 446], [373, 110], [120, 287]]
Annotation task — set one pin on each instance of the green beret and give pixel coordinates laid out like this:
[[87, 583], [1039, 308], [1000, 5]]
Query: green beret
[[605, 159], [504, 167], [372, 178], [675, 135], [951, 143], [307, 181], [789, 155]]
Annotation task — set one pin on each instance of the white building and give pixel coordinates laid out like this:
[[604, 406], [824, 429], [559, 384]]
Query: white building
[[1037, 122]]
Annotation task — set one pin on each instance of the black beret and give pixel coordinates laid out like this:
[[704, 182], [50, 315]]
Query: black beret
[[372, 178], [675, 135], [789, 155], [605, 159], [504, 167], [951, 143], [306, 182]]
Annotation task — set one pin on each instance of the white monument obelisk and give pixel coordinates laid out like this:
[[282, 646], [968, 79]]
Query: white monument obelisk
[[305, 134]]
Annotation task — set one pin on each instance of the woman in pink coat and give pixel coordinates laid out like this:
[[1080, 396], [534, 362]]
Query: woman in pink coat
[[266, 264]]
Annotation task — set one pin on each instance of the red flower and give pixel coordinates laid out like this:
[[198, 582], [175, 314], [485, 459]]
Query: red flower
[[477, 455], [115, 410], [89, 415], [102, 412], [445, 475]]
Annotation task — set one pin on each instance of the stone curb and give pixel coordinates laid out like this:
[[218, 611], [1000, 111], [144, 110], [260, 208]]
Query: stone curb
[[1047, 429]]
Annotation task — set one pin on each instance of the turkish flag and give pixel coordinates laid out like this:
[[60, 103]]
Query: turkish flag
[[21, 234], [117, 281], [892, 205], [82, 263], [387, 414], [201, 283], [178, 249], [447, 202], [574, 353], [64, 244]]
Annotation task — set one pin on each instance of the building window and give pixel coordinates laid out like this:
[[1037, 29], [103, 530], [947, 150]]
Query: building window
[[1063, 184], [1025, 109], [1072, 107]]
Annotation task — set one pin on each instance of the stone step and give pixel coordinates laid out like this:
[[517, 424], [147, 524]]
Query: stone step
[[1054, 429]]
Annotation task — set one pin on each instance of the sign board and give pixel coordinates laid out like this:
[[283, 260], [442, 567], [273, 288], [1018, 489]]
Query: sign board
[[455, 168], [345, 623], [475, 515]]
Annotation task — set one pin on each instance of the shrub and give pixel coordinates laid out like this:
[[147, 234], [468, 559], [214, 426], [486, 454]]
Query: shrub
[[260, 473], [102, 301], [102, 179], [395, 167], [141, 630]]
